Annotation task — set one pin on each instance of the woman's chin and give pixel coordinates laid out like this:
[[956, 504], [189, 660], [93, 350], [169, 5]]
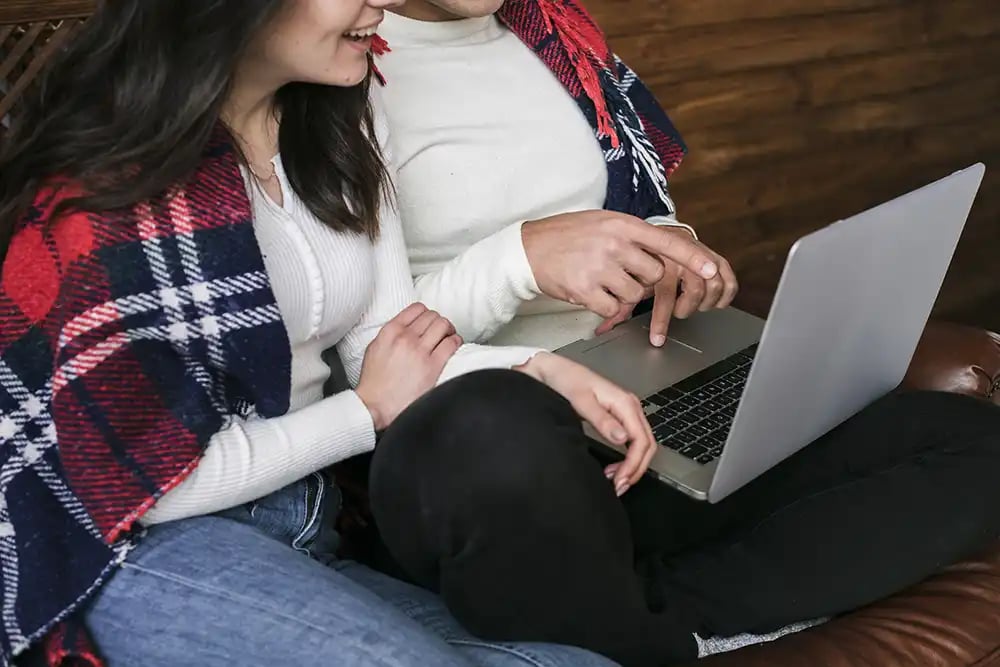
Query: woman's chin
[[349, 71]]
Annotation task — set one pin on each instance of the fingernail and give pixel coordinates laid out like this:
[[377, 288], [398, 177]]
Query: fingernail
[[709, 269], [609, 473], [657, 340], [618, 434], [621, 488]]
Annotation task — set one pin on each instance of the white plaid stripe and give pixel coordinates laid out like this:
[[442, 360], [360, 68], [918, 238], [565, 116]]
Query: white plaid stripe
[[642, 152], [613, 154], [34, 407], [628, 77], [135, 304], [180, 216], [171, 306], [217, 326]]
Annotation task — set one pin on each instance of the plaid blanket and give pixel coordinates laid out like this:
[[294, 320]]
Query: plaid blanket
[[641, 146], [127, 339]]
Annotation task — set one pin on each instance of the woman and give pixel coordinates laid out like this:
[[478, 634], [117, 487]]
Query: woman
[[194, 207]]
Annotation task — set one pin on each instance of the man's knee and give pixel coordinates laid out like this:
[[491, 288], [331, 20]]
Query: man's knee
[[936, 410], [499, 395], [489, 447], [482, 425]]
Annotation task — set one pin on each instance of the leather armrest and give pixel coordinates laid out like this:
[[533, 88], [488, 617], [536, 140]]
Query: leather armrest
[[957, 358]]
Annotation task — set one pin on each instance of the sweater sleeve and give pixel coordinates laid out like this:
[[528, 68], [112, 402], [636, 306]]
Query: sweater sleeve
[[481, 289], [393, 292], [252, 458]]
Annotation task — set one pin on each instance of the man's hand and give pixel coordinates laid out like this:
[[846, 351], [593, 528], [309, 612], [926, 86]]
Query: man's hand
[[607, 262], [679, 294]]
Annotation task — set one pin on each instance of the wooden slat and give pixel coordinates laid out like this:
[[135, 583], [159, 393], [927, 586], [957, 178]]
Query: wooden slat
[[758, 95], [717, 150], [732, 47], [24, 44], [859, 175], [29, 11], [631, 17], [899, 71], [759, 261], [59, 37], [720, 49]]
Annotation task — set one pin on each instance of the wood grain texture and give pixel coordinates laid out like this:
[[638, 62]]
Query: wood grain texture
[[27, 11], [801, 112]]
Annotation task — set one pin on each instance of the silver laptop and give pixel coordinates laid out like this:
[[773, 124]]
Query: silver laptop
[[730, 395]]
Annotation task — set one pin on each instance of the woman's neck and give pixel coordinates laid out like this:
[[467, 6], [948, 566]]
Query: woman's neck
[[250, 114]]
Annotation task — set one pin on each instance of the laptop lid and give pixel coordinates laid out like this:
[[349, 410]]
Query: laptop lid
[[850, 308]]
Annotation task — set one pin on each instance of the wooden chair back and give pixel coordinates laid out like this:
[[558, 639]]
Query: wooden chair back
[[31, 32]]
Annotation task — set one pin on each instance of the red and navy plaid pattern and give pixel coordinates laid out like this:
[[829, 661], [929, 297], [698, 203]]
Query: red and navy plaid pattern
[[127, 339], [641, 146]]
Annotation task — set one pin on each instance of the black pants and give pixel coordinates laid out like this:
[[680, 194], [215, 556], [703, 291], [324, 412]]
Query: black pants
[[485, 490]]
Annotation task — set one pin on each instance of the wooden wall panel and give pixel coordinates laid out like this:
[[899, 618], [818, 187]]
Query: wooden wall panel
[[801, 112]]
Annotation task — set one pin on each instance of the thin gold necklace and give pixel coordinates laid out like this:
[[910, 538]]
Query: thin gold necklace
[[274, 172]]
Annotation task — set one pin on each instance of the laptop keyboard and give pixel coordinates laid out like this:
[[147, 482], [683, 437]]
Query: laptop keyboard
[[693, 417]]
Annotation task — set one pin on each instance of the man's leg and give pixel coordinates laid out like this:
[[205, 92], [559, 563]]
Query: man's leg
[[484, 490], [910, 484]]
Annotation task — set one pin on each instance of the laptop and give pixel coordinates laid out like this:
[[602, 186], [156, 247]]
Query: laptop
[[731, 395]]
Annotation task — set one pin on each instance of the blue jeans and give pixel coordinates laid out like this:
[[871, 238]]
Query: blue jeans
[[260, 585]]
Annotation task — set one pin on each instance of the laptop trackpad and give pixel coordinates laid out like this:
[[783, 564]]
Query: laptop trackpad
[[629, 360]]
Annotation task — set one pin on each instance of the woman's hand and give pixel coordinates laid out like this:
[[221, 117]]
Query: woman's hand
[[405, 361], [615, 413]]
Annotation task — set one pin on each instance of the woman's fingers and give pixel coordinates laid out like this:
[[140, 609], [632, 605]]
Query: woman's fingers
[[423, 322], [627, 410], [438, 330], [598, 416], [445, 349]]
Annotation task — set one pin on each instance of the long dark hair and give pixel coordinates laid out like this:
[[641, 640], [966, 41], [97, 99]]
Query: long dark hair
[[126, 111]]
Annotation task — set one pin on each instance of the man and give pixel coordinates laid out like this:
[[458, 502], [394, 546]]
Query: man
[[530, 164]]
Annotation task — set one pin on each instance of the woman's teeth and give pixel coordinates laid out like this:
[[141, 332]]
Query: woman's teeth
[[360, 34]]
